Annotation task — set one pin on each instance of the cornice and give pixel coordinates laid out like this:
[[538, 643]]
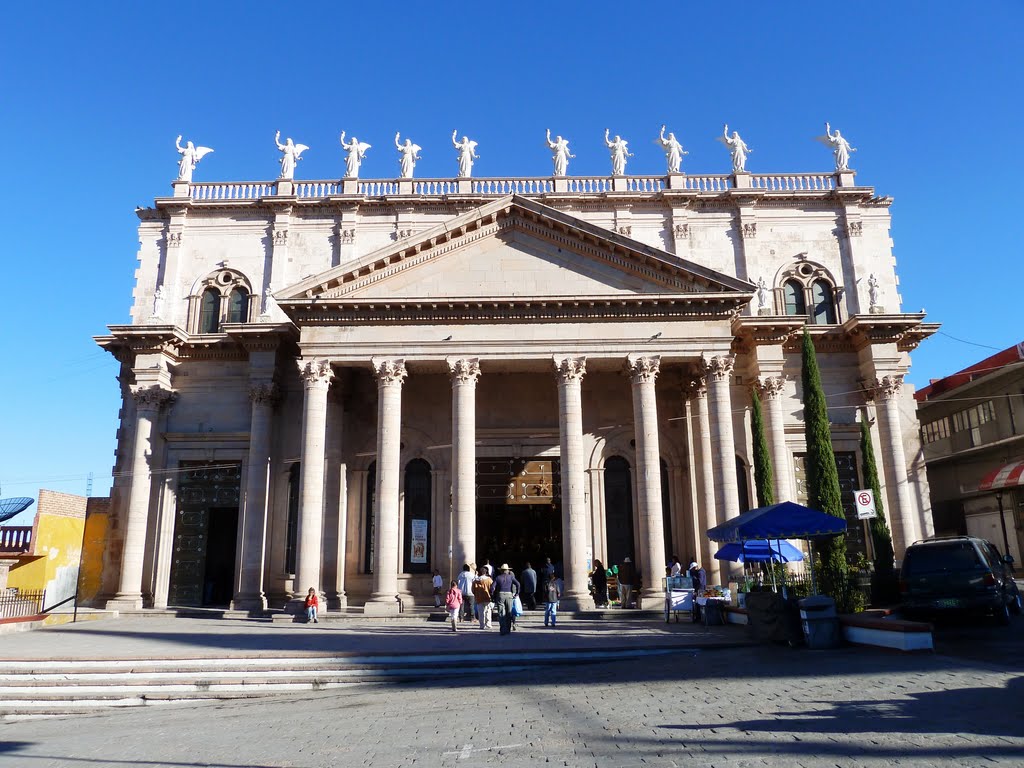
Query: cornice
[[752, 331], [907, 331]]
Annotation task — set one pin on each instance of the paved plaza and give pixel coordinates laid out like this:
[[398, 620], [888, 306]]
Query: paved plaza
[[711, 705]]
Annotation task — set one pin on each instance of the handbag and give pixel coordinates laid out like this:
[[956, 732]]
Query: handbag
[[517, 606]]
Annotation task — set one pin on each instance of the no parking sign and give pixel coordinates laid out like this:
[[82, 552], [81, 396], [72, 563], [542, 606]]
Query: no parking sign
[[865, 504]]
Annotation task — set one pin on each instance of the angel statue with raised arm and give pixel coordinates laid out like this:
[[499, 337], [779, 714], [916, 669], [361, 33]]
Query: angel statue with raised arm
[[190, 157], [290, 155], [619, 151], [673, 150], [841, 148], [355, 152], [467, 154], [410, 154], [738, 149], [559, 154]]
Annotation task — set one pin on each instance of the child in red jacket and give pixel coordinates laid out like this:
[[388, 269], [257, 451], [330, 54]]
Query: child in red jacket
[[453, 602], [312, 605]]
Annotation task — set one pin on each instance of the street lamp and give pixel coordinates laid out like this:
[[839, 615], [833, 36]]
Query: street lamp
[[1002, 522]]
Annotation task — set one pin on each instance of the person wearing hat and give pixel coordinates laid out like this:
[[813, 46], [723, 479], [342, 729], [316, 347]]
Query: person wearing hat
[[700, 583], [504, 591], [627, 575]]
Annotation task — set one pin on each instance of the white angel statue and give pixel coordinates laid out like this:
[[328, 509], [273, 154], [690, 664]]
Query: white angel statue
[[873, 290], [410, 154], [673, 150], [356, 151], [290, 155], [467, 154], [738, 149], [619, 151], [190, 157], [559, 154], [841, 148]]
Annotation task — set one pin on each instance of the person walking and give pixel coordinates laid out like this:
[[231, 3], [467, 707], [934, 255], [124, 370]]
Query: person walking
[[600, 581], [700, 583], [312, 606], [627, 576], [438, 583], [504, 591], [465, 582], [528, 578], [551, 595], [482, 596], [488, 567], [453, 603]]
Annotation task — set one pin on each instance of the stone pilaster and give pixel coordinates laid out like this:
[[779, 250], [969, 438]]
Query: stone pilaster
[[903, 516], [316, 379], [718, 372], [706, 516], [569, 372], [464, 374], [250, 597], [772, 389], [148, 402], [643, 372], [390, 375]]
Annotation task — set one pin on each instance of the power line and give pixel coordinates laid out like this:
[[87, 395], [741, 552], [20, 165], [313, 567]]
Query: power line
[[972, 343]]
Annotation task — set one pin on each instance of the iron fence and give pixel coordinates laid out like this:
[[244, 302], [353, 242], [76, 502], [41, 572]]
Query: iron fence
[[16, 603]]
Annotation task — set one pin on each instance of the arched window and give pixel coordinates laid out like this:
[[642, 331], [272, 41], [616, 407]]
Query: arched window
[[742, 485], [417, 516], [823, 302], [794, 295], [209, 311], [238, 306]]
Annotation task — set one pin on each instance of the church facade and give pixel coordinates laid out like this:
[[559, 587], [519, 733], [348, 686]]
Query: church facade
[[349, 384]]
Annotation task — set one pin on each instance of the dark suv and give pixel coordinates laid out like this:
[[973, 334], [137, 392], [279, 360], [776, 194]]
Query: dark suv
[[961, 574]]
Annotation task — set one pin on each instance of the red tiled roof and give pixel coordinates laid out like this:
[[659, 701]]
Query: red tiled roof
[[951, 382]]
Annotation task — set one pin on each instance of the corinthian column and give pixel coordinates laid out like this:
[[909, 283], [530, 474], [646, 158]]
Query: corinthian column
[[390, 375], [906, 528], [316, 378], [771, 394], [643, 372], [250, 595], [464, 375], [148, 402], [718, 372], [706, 515], [569, 372]]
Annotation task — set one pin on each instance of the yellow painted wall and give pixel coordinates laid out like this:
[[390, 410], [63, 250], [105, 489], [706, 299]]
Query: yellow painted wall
[[58, 543], [90, 577]]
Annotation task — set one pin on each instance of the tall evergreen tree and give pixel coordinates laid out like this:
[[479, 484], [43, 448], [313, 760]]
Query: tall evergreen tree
[[823, 491], [883, 580], [764, 481]]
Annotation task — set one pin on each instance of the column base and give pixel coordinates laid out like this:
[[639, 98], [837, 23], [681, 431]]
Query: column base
[[652, 597], [387, 606], [250, 602], [124, 603], [338, 602], [575, 602], [296, 606]]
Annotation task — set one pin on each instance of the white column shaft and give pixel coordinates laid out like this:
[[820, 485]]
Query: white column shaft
[[309, 532], [781, 466], [906, 529], [385, 545], [464, 374], [574, 524], [707, 516], [649, 495], [250, 583]]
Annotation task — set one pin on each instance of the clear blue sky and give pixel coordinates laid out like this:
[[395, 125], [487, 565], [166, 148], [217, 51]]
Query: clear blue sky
[[93, 96]]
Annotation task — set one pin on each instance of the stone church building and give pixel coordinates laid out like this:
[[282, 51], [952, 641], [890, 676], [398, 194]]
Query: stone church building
[[348, 384]]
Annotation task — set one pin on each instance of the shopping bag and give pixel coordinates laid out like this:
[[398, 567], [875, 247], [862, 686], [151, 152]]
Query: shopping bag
[[517, 606]]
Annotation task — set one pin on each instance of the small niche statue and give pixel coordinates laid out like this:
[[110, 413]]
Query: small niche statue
[[410, 154], [619, 149], [158, 304], [355, 152], [873, 294], [291, 153], [841, 148], [560, 155], [673, 150], [467, 154], [762, 295], [737, 148], [190, 157]]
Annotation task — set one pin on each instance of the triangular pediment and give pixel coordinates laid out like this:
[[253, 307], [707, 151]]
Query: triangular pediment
[[511, 249]]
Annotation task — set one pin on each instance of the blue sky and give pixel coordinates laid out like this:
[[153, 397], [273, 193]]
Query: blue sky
[[93, 96]]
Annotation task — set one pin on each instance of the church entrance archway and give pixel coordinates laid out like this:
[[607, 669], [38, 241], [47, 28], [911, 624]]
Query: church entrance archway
[[618, 504]]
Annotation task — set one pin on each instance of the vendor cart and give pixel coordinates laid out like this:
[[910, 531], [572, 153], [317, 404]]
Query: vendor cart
[[678, 596]]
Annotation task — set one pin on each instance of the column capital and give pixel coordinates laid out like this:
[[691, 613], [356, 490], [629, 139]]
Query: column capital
[[265, 393], [389, 371], [695, 387], [771, 387], [464, 370], [886, 387], [643, 368], [719, 367], [569, 369], [152, 398], [315, 373]]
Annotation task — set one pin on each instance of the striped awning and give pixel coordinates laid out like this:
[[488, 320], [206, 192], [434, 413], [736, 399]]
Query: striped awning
[[1007, 476]]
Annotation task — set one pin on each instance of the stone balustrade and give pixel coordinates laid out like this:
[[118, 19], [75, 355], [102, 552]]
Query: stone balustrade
[[499, 187]]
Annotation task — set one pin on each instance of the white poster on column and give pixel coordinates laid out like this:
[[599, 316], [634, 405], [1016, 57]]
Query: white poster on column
[[419, 541]]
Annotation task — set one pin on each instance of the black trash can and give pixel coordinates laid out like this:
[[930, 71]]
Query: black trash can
[[820, 622]]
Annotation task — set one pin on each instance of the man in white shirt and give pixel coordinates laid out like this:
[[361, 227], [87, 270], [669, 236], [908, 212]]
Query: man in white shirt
[[465, 584], [677, 567], [438, 588]]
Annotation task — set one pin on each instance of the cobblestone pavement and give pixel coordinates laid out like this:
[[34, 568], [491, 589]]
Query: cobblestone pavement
[[759, 706]]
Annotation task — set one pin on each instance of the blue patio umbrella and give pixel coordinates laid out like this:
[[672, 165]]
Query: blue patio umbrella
[[760, 551]]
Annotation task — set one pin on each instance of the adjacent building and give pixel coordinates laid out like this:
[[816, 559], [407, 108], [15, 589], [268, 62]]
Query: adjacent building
[[348, 384]]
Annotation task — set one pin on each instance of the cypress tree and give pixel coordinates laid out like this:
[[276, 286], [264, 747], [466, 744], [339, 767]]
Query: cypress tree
[[763, 478], [883, 580], [822, 476]]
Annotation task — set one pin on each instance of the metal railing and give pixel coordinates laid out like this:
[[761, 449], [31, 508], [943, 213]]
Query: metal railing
[[15, 539], [17, 603]]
